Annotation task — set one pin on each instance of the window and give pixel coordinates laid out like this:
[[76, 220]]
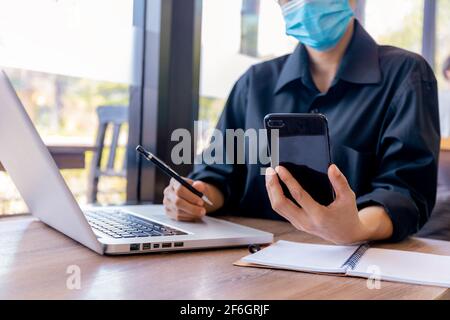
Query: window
[[249, 27], [66, 58], [442, 40], [396, 22], [235, 35], [239, 33], [442, 53]]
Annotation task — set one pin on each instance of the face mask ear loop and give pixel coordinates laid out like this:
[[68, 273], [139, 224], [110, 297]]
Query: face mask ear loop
[[292, 6]]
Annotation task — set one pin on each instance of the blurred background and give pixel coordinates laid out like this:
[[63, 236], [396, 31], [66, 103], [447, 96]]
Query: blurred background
[[67, 58]]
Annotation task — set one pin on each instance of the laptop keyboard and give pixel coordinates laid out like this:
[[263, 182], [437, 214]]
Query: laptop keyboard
[[120, 224]]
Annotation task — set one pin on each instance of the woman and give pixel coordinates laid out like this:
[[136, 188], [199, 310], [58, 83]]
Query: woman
[[381, 105]]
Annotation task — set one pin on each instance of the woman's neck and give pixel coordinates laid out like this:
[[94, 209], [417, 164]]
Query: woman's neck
[[325, 64]]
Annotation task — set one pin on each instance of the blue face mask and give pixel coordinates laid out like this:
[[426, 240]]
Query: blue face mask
[[318, 24]]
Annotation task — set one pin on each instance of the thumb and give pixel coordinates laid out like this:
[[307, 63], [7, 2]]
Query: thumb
[[340, 183], [200, 186]]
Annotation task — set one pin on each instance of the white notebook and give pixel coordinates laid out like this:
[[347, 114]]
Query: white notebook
[[358, 261]]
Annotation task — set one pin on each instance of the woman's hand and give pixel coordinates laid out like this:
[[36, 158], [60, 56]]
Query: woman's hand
[[181, 204], [340, 222]]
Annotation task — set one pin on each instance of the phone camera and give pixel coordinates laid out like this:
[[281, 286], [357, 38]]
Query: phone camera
[[276, 123]]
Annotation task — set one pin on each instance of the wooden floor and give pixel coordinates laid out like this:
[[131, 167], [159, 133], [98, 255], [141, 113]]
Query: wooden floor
[[35, 259]]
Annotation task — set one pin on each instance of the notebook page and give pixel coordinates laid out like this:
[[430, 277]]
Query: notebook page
[[404, 266], [303, 257]]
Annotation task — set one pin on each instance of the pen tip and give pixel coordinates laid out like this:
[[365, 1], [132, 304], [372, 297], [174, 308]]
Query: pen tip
[[139, 148], [205, 198]]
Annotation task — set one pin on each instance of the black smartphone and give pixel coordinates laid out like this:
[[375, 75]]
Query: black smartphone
[[303, 149]]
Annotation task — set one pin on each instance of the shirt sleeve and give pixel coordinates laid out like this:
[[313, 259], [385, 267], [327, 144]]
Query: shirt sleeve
[[406, 180], [225, 173]]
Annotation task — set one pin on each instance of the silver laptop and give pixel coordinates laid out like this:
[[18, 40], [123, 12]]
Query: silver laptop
[[106, 230]]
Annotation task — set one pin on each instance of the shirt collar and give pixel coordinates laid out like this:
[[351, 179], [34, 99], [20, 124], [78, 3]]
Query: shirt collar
[[360, 63]]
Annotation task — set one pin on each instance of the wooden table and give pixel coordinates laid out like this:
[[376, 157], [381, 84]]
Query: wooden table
[[34, 260], [68, 156]]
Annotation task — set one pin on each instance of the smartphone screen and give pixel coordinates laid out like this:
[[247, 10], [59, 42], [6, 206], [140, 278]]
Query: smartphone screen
[[303, 149]]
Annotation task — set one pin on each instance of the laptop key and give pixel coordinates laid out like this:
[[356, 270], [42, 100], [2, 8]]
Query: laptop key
[[123, 225], [140, 234]]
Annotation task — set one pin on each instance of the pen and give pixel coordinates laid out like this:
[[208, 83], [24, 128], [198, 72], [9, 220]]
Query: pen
[[171, 173]]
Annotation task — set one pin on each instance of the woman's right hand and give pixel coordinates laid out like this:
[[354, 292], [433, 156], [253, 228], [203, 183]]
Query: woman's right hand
[[182, 205]]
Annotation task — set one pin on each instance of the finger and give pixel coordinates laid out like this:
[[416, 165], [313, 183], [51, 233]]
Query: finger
[[169, 202], [178, 214], [186, 194], [296, 190], [274, 190], [181, 204], [299, 220], [189, 208], [278, 200], [285, 214], [174, 182], [200, 186], [340, 184], [270, 171]]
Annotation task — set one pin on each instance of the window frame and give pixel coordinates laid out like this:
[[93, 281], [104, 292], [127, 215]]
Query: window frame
[[168, 96], [428, 28]]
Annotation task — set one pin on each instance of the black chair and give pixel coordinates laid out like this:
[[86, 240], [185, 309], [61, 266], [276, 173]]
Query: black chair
[[438, 225], [115, 116]]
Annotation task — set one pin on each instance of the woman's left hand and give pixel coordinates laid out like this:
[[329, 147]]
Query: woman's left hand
[[340, 222]]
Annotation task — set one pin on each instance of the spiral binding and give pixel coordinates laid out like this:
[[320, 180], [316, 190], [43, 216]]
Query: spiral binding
[[354, 258]]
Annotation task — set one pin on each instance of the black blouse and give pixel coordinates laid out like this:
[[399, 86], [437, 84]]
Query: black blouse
[[383, 117]]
